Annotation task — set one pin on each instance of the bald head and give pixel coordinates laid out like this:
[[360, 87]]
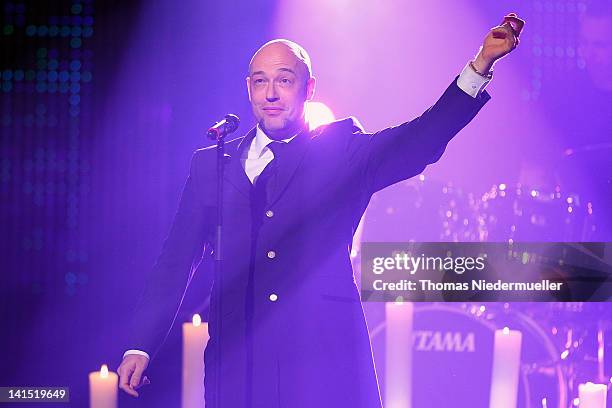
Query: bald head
[[279, 83], [286, 49]]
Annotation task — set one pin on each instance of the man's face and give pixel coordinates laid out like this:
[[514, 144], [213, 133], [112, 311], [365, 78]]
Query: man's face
[[596, 47], [279, 85]]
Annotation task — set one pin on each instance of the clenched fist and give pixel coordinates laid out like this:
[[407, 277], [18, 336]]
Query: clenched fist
[[131, 373], [499, 41]]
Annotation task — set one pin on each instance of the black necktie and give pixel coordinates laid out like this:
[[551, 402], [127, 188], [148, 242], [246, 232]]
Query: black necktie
[[265, 179]]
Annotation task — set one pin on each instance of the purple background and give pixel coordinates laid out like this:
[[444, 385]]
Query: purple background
[[103, 104]]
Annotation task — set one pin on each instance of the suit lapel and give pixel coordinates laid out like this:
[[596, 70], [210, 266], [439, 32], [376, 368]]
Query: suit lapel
[[235, 173], [288, 164]]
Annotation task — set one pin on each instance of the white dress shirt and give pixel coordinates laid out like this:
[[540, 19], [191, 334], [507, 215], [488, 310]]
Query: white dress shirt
[[255, 160], [257, 157]]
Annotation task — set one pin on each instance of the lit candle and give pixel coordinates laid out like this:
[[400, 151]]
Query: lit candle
[[103, 388], [398, 355], [506, 364], [592, 395], [195, 337]]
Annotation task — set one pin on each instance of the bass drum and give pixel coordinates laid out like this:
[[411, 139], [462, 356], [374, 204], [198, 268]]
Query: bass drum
[[452, 357]]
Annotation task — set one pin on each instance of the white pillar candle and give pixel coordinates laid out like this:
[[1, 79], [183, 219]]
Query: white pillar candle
[[592, 395], [195, 337], [506, 365], [398, 355], [103, 387]]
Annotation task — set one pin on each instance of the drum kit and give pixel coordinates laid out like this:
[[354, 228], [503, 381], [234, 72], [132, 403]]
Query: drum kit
[[564, 344], [575, 207]]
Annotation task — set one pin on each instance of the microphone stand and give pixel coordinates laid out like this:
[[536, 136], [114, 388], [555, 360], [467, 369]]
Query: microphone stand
[[218, 132], [218, 275]]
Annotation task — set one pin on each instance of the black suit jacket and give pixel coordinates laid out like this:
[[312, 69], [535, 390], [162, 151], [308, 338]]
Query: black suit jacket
[[310, 347]]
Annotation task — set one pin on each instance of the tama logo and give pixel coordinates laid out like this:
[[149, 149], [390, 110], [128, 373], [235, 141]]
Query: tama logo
[[444, 341]]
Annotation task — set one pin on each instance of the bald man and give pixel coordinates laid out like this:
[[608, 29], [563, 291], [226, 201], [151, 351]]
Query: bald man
[[293, 328]]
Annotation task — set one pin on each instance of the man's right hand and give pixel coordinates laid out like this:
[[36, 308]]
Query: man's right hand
[[131, 373]]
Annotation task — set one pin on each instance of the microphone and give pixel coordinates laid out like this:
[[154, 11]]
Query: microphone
[[223, 128]]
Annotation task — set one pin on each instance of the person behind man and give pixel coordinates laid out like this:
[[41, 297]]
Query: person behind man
[[292, 325], [578, 102]]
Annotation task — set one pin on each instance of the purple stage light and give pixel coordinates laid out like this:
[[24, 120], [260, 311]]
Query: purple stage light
[[317, 114]]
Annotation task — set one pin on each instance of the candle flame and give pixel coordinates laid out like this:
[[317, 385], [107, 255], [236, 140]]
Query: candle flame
[[104, 371], [506, 330], [196, 320]]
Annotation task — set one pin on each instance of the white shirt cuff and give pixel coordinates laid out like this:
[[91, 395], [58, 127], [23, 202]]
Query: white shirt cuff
[[470, 82], [138, 352]]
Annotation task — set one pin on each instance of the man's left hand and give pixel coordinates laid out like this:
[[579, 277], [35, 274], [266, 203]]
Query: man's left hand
[[500, 41]]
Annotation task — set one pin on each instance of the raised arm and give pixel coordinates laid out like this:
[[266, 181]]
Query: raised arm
[[400, 152]]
